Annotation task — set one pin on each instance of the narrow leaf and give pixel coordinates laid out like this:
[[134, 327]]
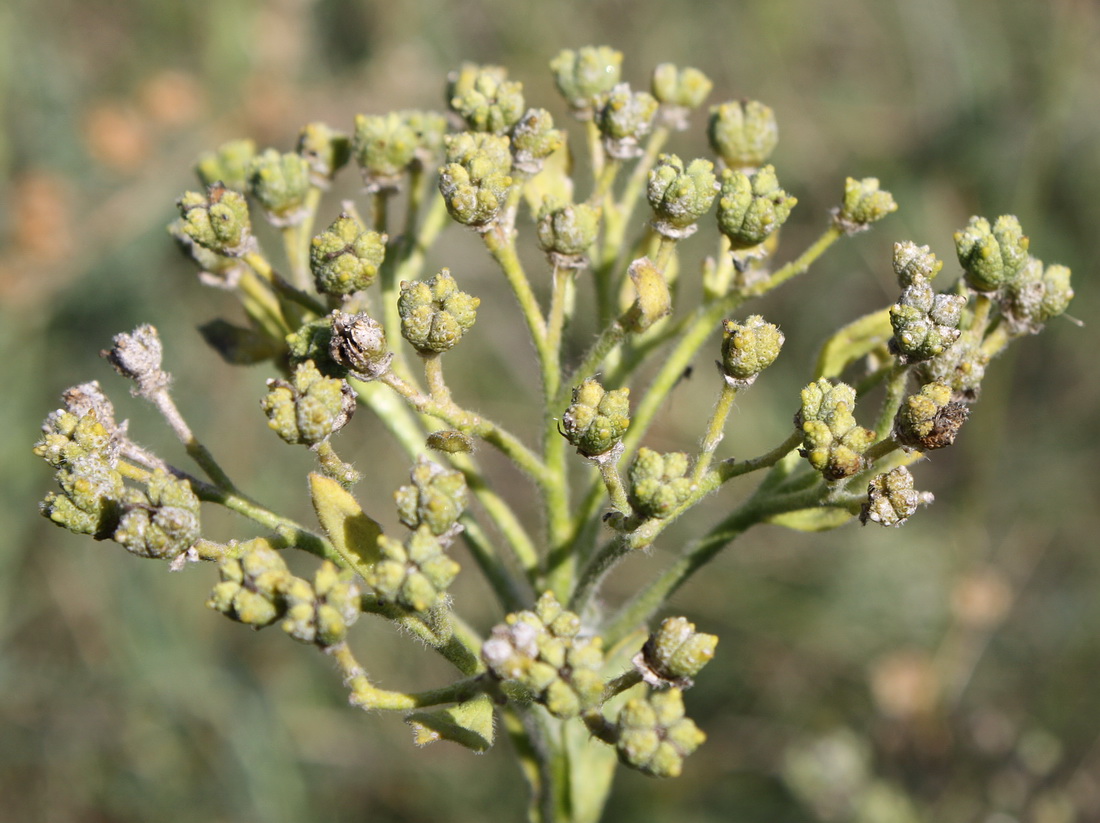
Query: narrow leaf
[[352, 532]]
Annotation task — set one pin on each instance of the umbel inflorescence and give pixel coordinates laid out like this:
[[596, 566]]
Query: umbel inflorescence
[[330, 320]]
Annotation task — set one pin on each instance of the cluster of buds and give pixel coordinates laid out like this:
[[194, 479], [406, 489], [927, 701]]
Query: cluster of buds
[[346, 257], [892, 498], [584, 76], [83, 443], [541, 655], [566, 231], [435, 314], [386, 146], [228, 165], [658, 482], [748, 348], [84, 451], [931, 419], [436, 498], [256, 588], [476, 178], [864, 203], [674, 654], [597, 419], [653, 735], [679, 195], [743, 133], [751, 208], [161, 521], [991, 256], [925, 323], [833, 442], [679, 91], [280, 184], [309, 408], [624, 117], [218, 220], [416, 573], [485, 98]]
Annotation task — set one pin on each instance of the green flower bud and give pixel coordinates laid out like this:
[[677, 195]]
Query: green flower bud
[[359, 345], [654, 736], [679, 196], [658, 482], [751, 207], [913, 263], [534, 138], [748, 348], [346, 257], [597, 419], [217, 220], [435, 314], [624, 117], [325, 150], [565, 232], [310, 408], [991, 255], [743, 133], [436, 498], [384, 146], [89, 500], [892, 498], [280, 183], [833, 442], [539, 655], [864, 204], [252, 585], [414, 574], [323, 612], [84, 429], [961, 366], [475, 181], [163, 521], [228, 165], [678, 91], [1035, 296], [585, 75], [674, 654], [485, 98], [450, 441], [931, 419], [925, 324]]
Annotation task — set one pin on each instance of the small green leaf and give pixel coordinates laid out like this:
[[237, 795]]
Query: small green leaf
[[469, 724], [819, 519], [353, 533], [858, 339]]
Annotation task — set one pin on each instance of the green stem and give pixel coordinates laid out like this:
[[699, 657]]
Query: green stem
[[703, 323], [504, 586], [503, 249], [601, 563], [895, 392], [643, 605], [715, 429], [475, 424], [370, 698]]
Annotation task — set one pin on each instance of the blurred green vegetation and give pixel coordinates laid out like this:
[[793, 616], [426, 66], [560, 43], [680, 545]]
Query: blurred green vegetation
[[942, 672]]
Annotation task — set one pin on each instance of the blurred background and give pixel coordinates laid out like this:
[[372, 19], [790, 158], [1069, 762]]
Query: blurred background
[[946, 671]]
